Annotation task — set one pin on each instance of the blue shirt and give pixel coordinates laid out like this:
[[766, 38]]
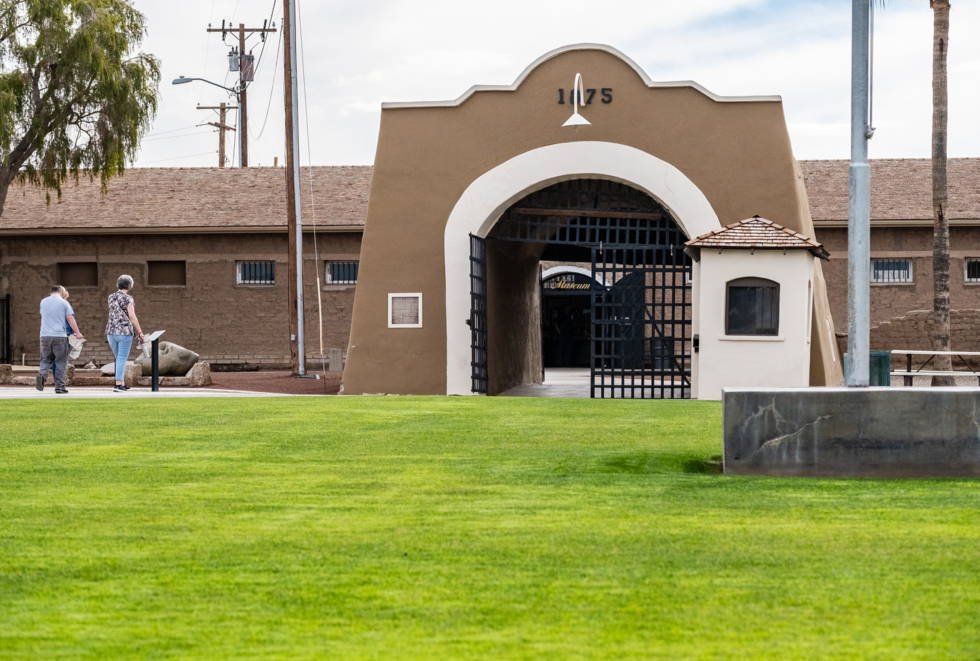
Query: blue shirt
[[54, 316]]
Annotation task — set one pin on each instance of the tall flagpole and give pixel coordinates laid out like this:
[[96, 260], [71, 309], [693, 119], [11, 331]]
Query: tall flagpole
[[859, 203]]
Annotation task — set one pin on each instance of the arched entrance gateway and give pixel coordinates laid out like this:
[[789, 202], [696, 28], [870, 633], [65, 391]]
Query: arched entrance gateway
[[635, 330], [470, 197]]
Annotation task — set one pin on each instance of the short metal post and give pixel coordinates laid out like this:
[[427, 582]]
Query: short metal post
[[908, 379], [155, 361]]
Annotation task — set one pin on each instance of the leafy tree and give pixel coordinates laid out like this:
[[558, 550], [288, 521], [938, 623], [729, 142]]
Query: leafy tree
[[940, 198], [73, 96]]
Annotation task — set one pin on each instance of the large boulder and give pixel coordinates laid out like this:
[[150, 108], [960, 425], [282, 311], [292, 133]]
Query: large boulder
[[6, 374], [175, 360]]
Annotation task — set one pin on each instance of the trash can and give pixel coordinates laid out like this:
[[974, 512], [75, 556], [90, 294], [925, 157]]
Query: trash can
[[879, 368]]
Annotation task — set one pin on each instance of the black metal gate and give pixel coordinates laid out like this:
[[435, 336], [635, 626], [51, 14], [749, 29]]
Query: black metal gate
[[641, 324], [478, 313], [641, 320], [6, 343]]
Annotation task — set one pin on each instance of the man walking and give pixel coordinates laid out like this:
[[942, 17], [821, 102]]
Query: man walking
[[55, 313]]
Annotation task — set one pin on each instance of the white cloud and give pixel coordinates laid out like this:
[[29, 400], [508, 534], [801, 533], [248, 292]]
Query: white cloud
[[358, 54]]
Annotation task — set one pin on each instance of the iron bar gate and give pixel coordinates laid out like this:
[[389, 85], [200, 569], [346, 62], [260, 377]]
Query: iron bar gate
[[641, 324], [6, 343], [478, 314], [641, 338]]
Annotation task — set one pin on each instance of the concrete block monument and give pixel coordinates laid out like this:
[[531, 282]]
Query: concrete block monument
[[852, 432]]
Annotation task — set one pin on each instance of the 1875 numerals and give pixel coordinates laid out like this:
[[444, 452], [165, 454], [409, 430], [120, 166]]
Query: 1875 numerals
[[605, 95]]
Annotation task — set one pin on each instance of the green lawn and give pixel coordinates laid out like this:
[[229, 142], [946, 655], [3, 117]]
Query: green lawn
[[457, 528]]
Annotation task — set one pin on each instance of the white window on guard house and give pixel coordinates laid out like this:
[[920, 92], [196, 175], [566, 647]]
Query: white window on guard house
[[891, 270], [256, 273], [404, 310]]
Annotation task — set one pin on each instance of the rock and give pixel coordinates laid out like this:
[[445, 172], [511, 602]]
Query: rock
[[90, 365], [200, 375], [6, 374], [110, 369], [95, 381], [132, 374], [165, 381], [22, 381], [69, 377], [175, 360]]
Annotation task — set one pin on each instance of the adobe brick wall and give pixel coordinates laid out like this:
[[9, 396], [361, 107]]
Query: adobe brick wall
[[224, 322], [894, 301], [914, 331]]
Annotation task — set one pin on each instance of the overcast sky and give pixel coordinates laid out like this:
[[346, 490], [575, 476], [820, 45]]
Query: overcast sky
[[358, 53]]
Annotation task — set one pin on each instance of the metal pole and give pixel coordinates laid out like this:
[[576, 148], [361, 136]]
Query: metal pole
[[238, 98], [859, 204], [294, 104], [243, 98], [155, 363]]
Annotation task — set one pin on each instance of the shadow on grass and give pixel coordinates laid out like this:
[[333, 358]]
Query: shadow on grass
[[641, 463]]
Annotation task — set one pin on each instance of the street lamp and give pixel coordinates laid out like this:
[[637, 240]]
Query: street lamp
[[182, 80]]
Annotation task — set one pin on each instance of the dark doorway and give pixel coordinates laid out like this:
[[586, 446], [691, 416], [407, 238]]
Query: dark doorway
[[637, 324], [566, 320]]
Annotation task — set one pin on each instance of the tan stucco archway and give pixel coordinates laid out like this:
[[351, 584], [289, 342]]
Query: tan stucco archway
[[491, 194]]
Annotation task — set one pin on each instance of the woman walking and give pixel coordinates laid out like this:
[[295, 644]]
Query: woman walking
[[119, 330]]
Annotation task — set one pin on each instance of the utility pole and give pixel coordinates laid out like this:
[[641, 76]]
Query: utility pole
[[859, 203], [222, 126], [293, 212], [245, 65]]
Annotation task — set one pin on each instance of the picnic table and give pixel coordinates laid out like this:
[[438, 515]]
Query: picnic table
[[908, 373]]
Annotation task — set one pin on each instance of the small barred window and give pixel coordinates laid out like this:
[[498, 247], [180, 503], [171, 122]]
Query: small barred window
[[341, 273], [891, 270], [973, 270], [256, 273]]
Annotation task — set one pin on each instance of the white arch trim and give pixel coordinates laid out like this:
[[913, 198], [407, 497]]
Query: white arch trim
[[484, 200], [558, 270], [573, 47]]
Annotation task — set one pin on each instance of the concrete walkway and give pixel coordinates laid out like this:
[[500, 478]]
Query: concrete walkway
[[574, 383], [20, 392]]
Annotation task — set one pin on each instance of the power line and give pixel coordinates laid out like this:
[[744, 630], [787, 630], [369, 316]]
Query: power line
[[183, 128], [184, 135], [273, 89]]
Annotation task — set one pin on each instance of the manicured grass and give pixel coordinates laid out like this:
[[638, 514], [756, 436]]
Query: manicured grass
[[457, 528]]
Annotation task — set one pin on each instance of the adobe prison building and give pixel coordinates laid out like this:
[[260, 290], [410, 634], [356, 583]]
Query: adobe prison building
[[661, 235]]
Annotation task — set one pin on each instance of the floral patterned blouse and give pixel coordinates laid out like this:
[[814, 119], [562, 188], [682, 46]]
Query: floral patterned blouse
[[119, 323]]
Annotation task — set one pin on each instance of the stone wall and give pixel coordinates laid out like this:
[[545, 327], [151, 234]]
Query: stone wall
[[901, 314], [226, 323]]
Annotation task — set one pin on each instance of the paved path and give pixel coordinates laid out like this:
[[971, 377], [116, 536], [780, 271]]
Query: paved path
[[572, 383], [20, 392]]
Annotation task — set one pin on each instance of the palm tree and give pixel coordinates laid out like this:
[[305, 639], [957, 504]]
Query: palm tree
[[940, 197]]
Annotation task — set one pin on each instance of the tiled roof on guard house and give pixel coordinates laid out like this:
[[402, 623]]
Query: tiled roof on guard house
[[756, 234]]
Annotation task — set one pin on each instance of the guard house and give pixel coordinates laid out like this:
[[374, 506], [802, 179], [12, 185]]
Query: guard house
[[583, 161], [753, 298]]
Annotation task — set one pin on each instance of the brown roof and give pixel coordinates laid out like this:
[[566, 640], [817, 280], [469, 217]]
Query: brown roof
[[756, 233], [901, 189], [182, 199]]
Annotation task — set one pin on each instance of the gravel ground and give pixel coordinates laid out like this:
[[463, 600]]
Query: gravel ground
[[277, 382]]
